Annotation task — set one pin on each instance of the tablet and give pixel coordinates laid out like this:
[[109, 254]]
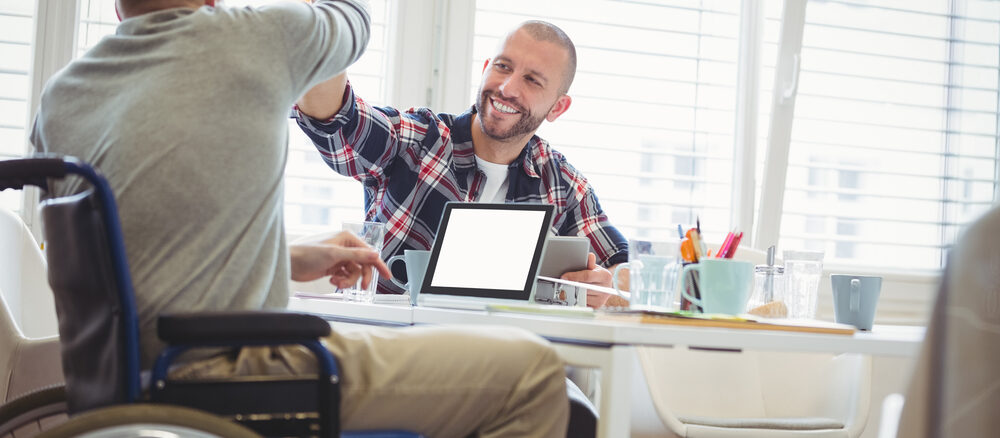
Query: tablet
[[564, 254], [490, 251]]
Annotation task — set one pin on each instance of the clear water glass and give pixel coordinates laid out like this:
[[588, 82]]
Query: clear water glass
[[768, 285], [373, 234], [803, 271], [653, 269]]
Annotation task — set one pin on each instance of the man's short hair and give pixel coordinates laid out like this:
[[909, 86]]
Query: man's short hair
[[545, 31]]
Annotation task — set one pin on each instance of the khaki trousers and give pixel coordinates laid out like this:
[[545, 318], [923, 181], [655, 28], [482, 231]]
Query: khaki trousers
[[441, 382]]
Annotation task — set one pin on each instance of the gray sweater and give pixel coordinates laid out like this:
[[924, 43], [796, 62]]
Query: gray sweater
[[186, 112]]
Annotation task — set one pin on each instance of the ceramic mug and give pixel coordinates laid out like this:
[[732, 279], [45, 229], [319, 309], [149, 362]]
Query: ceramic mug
[[416, 266], [724, 285], [855, 298]]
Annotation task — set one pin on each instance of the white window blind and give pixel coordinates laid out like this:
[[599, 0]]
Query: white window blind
[[651, 124], [316, 198], [15, 59], [894, 135]]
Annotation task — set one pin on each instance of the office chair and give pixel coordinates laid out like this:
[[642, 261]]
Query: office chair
[[29, 347], [678, 392], [89, 275]]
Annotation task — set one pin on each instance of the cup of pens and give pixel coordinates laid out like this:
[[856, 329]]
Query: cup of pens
[[693, 251], [723, 285]]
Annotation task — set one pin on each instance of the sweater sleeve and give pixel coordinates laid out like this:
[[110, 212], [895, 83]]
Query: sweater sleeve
[[321, 39]]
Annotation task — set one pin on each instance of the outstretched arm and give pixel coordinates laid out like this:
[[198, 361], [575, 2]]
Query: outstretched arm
[[325, 99]]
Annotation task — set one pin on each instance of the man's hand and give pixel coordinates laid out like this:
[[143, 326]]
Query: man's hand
[[343, 257], [595, 275]]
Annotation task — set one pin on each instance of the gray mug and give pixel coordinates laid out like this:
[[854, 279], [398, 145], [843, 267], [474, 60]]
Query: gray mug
[[855, 298], [416, 266]]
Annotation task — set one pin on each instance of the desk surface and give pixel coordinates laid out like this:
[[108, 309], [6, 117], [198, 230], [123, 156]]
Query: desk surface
[[881, 341]]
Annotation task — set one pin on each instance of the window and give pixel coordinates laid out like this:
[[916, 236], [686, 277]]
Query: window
[[316, 198], [894, 134], [15, 59], [893, 139], [651, 124]]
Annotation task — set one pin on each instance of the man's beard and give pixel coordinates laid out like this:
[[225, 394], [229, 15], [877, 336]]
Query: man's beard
[[525, 125]]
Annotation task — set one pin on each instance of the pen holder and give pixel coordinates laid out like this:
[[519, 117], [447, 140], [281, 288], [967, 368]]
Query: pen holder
[[723, 285]]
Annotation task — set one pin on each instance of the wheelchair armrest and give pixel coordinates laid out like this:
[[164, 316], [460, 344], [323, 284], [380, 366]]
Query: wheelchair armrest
[[239, 327]]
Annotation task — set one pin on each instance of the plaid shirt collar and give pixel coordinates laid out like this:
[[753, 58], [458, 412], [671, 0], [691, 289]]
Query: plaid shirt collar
[[533, 152]]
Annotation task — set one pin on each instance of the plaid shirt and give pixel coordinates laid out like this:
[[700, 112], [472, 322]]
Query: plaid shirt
[[412, 163]]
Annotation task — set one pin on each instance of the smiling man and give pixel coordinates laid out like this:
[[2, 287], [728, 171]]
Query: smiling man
[[412, 163]]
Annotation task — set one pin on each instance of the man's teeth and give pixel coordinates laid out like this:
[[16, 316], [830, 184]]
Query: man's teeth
[[503, 108]]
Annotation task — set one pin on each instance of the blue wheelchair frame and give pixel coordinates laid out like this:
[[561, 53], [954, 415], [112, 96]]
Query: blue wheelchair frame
[[15, 174]]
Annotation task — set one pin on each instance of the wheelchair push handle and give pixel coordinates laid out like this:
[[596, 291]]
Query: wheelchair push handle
[[17, 173]]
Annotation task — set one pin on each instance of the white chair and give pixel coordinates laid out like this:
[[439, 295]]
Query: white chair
[[679, 392], [892, 406], [29, 343]]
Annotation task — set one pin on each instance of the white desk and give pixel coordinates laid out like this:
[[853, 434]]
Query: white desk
[[610, 345]]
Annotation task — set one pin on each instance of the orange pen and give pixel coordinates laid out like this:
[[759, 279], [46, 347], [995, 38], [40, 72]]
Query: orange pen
[[687, 251]]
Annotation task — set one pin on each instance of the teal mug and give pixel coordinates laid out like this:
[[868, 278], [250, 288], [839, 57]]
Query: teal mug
[[724, 285], [416, 266]]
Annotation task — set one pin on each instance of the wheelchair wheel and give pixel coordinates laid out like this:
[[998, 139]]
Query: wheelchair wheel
[[147, 420], [34, 412]]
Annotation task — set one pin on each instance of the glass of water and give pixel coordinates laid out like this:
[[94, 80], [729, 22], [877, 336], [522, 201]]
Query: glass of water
[[653, 269], [372, 233], [803, 270]]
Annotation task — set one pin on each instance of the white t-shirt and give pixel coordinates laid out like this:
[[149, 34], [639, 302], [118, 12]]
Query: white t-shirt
[[495, 189]]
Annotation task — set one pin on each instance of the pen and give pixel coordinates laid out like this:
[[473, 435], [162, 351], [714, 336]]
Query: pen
[[725, 245], [734, 245], [696, 244]]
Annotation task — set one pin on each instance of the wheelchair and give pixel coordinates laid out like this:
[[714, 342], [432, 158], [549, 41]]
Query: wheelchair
[[99, 339]]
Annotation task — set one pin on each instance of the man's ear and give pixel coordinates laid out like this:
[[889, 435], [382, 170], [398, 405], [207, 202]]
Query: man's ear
[[561, 105], [486, 64]]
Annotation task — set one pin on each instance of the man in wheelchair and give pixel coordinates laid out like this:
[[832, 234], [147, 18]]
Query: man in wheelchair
[[184, 110]]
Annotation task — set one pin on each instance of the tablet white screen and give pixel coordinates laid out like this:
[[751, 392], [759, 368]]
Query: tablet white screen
[[488, 249]]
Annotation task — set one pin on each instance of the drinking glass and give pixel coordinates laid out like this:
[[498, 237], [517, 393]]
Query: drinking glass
[[803, 270], [653, 269], [372, 233]]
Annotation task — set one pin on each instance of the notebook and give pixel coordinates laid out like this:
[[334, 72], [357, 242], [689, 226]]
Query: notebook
[[486, 254]]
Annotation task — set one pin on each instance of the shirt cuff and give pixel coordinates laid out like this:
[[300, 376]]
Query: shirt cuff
[[348, 109], [619, 257]]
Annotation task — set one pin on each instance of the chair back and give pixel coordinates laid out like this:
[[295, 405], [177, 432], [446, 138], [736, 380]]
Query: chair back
[[29, 348], [750, 393], [89, 276]]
